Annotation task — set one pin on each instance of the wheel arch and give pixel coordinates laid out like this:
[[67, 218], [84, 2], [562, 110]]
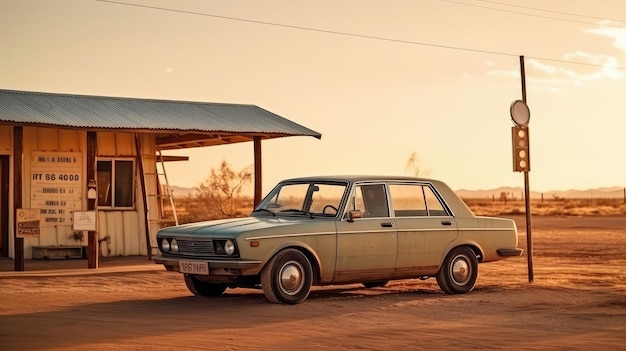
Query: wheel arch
[[472, 245], [306, 250]]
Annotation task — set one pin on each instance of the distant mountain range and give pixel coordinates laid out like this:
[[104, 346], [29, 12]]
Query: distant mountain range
[[511, 193], [518, 193], [180, 192]]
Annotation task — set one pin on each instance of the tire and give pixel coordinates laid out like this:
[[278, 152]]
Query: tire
[[375, 284], [200, 288], [458, 273], [287, 277]]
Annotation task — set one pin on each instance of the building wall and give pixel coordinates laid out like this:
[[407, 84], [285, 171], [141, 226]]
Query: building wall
[[55, 141], [6, 210], [125, 229], [6, 140]]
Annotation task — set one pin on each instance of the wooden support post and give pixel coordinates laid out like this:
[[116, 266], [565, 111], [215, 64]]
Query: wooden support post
[[144, 193], [92, 240], [18, 150], [258, 179]]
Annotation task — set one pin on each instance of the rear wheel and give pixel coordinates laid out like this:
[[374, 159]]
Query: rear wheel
[[200, 288], [459, 271], [287, 277]]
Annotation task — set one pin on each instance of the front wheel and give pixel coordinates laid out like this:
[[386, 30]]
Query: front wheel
[[459, 271], [200, 288], [287, 277]]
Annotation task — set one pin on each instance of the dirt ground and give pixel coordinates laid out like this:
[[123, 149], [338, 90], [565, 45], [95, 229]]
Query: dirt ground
[[576, 302]]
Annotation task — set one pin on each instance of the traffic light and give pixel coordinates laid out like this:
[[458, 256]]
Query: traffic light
[[521, 149]]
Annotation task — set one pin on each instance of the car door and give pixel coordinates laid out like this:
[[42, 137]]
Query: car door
[[366, 246], [425, 227]]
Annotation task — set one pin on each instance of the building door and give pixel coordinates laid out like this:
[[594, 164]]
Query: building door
[[4, 206]]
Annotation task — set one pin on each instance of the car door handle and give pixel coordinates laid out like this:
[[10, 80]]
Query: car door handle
[[386, 224], [446, 222]]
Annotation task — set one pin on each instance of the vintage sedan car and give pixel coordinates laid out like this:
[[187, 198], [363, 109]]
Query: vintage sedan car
[[339, 230]]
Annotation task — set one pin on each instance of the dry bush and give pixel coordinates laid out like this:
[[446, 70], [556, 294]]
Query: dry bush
[[218, 196], [192, 209], [560, 207]]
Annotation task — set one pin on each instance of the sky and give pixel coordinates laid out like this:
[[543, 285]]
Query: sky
[[380, 80]]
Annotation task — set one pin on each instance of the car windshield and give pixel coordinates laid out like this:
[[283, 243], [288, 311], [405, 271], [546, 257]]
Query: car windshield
[[303, 198]]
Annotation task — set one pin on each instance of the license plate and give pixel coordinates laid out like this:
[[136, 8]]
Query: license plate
[[193, 267]]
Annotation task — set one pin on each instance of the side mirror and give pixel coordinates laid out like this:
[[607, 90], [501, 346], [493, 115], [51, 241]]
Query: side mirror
[[354, 214]]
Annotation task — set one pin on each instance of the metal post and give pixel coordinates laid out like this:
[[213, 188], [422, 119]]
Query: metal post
[[529, 237]]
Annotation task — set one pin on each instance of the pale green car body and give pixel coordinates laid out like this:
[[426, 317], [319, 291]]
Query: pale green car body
[[339, 230]]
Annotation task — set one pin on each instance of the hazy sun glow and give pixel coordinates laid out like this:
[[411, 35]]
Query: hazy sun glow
[[379, 82]]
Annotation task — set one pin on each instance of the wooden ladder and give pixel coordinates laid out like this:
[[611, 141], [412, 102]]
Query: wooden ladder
[[163, 190]]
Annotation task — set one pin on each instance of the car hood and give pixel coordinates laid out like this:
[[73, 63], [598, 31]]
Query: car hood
[[234, 226]]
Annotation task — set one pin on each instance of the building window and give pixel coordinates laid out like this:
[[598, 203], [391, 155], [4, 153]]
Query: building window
[[115, 183]]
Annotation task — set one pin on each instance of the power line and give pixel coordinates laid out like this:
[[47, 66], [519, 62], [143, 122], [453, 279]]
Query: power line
[[551, 11], [354, 35], [309, 29], [534, 15]]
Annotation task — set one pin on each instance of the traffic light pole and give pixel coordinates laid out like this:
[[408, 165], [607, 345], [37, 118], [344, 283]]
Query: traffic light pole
[[529, 237]]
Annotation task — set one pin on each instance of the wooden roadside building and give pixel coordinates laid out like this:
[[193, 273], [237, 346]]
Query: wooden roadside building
[[76, 168]]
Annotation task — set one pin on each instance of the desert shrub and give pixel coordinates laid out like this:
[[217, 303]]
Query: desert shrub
[[220, 195], [557, 207], [194, 209]]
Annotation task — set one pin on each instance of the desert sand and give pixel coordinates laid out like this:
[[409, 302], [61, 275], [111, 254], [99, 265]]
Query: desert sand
[[577, 301]]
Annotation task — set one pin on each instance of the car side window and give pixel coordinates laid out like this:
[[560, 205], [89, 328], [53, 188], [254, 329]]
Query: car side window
[[414, 200], [327, 198], [434, 206], [408, 200], [371, 200]]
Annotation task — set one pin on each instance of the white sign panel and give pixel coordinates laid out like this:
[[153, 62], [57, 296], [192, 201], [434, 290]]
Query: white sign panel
[[55, 185], [84, 220]]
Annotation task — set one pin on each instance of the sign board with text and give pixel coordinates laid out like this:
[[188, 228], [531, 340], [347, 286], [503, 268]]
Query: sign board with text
[[55, 185], [28, 223], [84, 220]]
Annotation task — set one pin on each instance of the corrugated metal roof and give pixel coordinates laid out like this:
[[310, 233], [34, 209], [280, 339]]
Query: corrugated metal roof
[[97, 112]]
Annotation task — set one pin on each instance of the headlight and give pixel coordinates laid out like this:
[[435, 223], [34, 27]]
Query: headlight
[[225, 247], [165, 245], [229, 247], [174, 245]]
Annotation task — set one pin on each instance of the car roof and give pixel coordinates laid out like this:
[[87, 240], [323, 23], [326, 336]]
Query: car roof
[[357, 178], [456, 204]]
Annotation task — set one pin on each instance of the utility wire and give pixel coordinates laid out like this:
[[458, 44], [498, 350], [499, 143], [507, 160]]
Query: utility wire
[[530, 14], [550, 11], [352, 34], [534, 15]]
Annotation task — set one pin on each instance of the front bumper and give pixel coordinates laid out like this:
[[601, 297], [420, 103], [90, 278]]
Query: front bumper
[[216, 267]]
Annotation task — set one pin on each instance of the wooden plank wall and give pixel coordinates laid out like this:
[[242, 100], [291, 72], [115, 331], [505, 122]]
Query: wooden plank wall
[[50, 139], [6, 140], [126, 229], [148, 152]]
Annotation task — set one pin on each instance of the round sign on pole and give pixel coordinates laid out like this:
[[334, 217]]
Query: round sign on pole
[[520, 114]]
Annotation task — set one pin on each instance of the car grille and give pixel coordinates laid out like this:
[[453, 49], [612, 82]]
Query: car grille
[[195, 247]]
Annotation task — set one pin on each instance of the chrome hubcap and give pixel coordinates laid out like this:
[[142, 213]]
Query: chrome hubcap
[[460, 270], [291, 277]]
